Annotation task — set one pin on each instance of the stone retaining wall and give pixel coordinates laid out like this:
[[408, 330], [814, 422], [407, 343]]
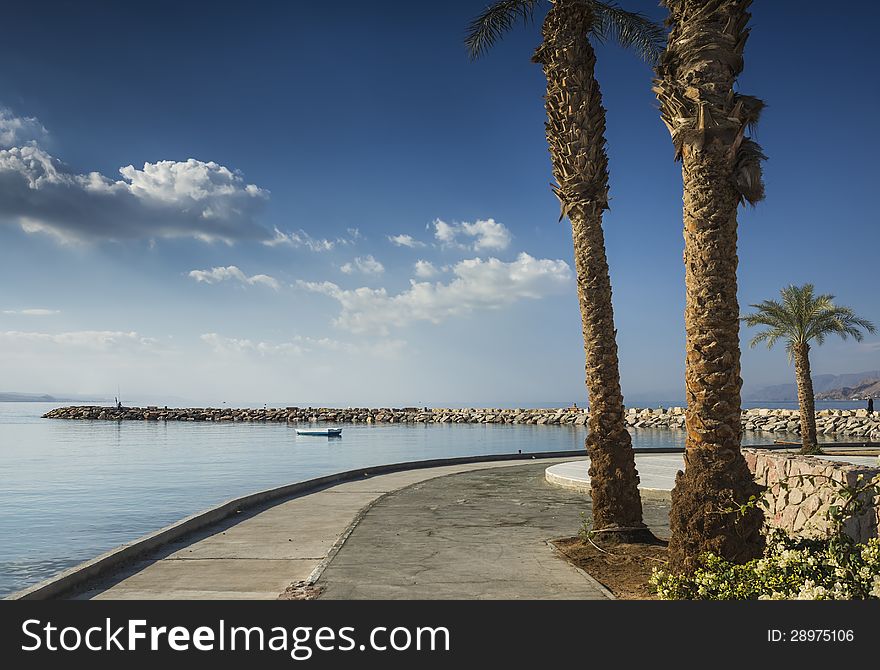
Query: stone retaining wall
[[849, 423], [801, 509]]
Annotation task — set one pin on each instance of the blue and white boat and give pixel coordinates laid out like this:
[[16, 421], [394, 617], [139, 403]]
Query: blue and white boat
[[326, 432]]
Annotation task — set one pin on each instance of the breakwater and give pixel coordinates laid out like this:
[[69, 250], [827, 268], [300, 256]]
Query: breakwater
[[838, 422]]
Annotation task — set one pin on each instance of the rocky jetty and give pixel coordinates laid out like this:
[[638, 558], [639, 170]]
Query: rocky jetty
[[844, 423]]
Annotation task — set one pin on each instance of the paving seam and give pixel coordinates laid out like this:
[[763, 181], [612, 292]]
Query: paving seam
[[315, 574]]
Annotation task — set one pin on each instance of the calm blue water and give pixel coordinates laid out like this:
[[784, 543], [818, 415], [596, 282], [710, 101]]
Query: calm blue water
[[70, 490]]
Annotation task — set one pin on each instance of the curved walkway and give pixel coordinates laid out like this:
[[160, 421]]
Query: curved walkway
[[257, 554], [468, 531]]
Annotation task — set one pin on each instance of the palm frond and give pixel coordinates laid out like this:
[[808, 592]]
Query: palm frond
[[840, 321], [496, 20], [768, 336], [631, 30], [771, 314], [864, 324], [748, 172]]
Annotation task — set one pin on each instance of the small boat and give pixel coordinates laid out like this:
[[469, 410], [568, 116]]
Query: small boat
[[327, 432]]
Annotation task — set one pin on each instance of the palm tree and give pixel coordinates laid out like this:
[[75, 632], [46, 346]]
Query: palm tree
[[576, 134], [799, 319], [721, 168]]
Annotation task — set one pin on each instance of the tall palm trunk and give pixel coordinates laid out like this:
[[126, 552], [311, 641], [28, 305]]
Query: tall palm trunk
[[576, 135], [707, 122], [715, 473], [806, 400]]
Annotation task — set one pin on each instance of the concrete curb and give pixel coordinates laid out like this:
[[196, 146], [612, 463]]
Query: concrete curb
[[583, 486], [565, 482], [113, 559]]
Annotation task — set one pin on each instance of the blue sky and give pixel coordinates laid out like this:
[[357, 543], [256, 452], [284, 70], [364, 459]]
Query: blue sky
[[199, 199]]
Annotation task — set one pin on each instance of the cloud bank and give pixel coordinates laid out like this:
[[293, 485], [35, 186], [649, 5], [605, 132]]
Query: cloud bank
[[298, 346], [166, 199], [479, 284], [92, 340]]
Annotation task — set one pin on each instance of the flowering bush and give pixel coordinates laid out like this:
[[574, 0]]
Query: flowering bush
[[837, 568], [832, 568]]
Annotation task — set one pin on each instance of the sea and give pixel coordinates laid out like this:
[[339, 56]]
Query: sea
[[71, 490]]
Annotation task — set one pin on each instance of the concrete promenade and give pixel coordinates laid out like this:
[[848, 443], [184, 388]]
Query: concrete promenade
[[258, 554], [469, 531]]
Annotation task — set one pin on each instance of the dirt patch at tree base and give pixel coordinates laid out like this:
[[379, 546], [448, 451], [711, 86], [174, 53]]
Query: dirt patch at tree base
[[624, 569]]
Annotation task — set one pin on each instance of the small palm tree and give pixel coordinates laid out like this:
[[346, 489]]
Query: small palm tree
[[799, 319], [576, 134]]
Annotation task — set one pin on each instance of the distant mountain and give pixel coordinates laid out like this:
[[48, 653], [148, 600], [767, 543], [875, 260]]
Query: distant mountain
[[821, 384], [26, 397], [132, 400], [38, 397], [870, 388]]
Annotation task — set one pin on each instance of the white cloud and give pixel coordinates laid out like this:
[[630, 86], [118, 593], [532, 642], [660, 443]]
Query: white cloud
[[444, 232], [32, 312], [166, 199], [94, 340], [300, 238], [365, 264], [405, 241], [19, 130], [487, 234], [219, 274], [425, 269], [479, 284], [299, 345], [185, 183]]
